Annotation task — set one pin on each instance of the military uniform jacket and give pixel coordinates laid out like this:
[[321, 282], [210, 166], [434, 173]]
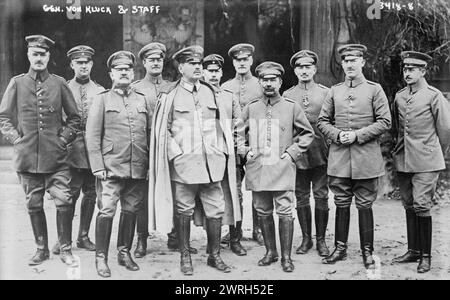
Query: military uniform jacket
[[151, 87], [38, 103], [196, 144], [245, 88], [78, 156], [117, 134], [359, 105], [310, 97], [274, 127], [228, 102], [422, 119]]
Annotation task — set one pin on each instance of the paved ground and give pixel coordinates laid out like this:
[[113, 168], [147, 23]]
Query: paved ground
[[17, 246]]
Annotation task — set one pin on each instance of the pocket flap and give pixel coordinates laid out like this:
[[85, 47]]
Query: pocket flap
[[107, 148]]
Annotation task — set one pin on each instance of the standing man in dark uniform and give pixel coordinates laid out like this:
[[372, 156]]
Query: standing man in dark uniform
[[117, 134], [422, 119], [354, 115], [312, 166], [212, 71], [245, 87], [152, 56], [278, 134], [84, 91], [38, 99]]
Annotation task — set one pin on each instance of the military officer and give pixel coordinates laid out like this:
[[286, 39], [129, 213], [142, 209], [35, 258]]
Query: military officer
[[38, 100], [245, 87], [84, 90], [278, 134], [152, 56], [212, 71], [354, 115], [422, 119], [312, 166], [117, 134], [191, 141]]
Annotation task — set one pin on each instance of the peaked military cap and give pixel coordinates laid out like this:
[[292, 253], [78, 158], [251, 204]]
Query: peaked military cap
[[213, 59], [415, 59], [39, 41], [304, 57], [241, 51], [189, 54], [80, 51], [121, 58], [152, 50], [269, 69], [352, 50]]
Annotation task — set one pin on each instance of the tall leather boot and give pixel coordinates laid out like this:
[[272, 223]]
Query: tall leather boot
[[184, 233], [127, 225], [268, 232], [235, 239], [257, 231], [213, 231], [304, 218], [103, 229], [425, 236], [64, 227], [341, 236], [39, 225], [366, 236], [141, 246], [142, 230], [172, 239], [412, 232], [86, 212], [321, 220], [286, 230]]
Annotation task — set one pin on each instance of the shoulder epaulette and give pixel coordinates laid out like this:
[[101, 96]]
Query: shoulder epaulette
[[434, 89], [403, 89], [18, 76], [371, 82], [138, 92], [136, 82], [253, 101], [59, 77], [105, 91], [338, 84], [323, 87], [289, 99]]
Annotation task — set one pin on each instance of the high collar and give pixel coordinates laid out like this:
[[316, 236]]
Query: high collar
[[306, 85], [153, 79], [122, 91], [244, 77], [190, 86], [413, 88], [273, 100], [355, 81], [82, 81], [43, 74]]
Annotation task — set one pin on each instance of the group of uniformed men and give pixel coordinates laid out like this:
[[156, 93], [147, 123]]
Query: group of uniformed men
[[173, 152]]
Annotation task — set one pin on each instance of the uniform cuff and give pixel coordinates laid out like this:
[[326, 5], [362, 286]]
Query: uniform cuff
[[294, 152], [361, 137]]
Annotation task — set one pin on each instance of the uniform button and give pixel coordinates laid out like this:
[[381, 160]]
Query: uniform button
[[40, 115], [41, 128], [40, 108]]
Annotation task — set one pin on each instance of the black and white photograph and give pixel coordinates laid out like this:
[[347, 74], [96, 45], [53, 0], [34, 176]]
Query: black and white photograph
[[204, 141]]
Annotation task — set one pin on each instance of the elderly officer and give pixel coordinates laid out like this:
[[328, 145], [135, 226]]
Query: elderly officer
[[38, 100], [152, 56], [278, 134], [245, 87], [354, 114], [191, 141], [117, 140], [422, 118], [84, 90], [212, 71], [312, 166]]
